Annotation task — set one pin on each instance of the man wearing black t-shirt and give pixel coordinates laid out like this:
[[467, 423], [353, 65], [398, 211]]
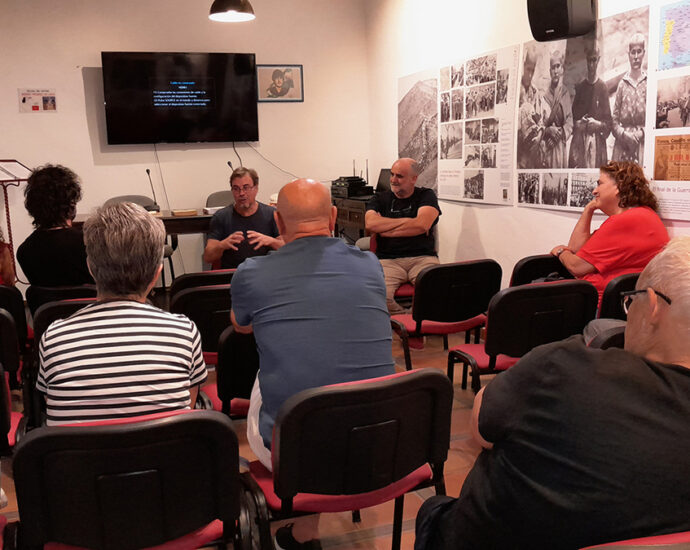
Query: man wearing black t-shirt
[[403, 220], [244, 229], [583, 446]]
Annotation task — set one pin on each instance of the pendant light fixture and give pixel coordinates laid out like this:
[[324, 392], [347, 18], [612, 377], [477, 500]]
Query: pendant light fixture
[[231, 11]]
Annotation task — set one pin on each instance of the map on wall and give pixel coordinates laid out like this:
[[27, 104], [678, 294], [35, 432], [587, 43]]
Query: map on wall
[[581, 102], [477, 112], [674, 35], [418, 124]]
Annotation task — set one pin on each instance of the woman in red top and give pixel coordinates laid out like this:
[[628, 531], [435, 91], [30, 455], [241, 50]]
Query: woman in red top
[[631, 236]]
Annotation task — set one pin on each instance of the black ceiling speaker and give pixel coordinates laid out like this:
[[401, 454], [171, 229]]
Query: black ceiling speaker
[[556, 19]]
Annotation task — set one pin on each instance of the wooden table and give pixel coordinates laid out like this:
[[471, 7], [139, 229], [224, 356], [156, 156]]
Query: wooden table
[[199, 223]]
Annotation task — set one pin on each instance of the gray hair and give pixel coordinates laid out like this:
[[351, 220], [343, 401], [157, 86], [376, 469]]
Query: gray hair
[[124, 247], [669, 273]]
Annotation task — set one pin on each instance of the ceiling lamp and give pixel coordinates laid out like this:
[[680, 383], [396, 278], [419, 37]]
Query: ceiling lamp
[[234, 11]]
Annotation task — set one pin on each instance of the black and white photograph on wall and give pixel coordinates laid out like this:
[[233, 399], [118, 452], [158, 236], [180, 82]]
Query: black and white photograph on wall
[[418, 106], [473, 156], [458, 97], [581, 187], [489, 130], [444, 79], [488, 156], [457, 75], [502, 76], [528, 187], [445, 107], [473, 131], [554, 191], [673, 102], [280, 83], [480, 100], [474, 185], [451, 141], [480, 70], [582, 101]]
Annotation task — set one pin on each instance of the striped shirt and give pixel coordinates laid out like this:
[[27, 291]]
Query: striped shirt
[[118, 359]]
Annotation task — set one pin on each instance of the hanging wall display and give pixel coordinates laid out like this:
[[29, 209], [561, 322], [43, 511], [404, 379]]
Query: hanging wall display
[[475, 144], [418, 124], [581, 102]]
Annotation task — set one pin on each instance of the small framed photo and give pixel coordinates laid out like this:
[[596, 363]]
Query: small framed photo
[[280, 82]]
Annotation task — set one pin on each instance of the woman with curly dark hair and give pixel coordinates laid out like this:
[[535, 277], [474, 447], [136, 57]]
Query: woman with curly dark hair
[[631, 236], [54, 254]]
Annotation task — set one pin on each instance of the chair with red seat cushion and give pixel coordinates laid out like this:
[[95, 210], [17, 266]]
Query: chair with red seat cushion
[[672, 541], [209, 308], [540, 266], [405, 292], [12, 424], [238, 363], [354, 445], [11, 300], [36, 296], [449, 298], [521, 318], [163, 482], [611, 305], [201, 278]]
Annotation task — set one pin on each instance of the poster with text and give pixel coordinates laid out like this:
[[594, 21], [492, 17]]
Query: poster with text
[[476, 131], [418, 109], [34, 100], [581, 102]]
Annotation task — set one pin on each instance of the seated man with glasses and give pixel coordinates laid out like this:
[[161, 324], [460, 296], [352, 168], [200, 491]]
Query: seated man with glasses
[[244, 229], [583, 446]]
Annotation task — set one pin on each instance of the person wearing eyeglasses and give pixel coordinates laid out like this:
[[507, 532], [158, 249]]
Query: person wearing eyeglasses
[[631, 236], [583, 446], [244, 229]]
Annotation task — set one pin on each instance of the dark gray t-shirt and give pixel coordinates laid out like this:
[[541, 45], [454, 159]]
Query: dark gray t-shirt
[[227, 221]]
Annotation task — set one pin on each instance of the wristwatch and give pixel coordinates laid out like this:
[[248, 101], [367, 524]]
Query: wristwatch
[[561, 250]]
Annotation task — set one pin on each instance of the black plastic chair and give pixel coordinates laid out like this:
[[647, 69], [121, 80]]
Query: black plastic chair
[[10, 351], [521, 318], [202, 278], [611, 306], [12, 301], [238, 363], [12, 423], [613, 337], [130, 484], [530, 268], [36, 296], [385, 437], [449, 298], [209, 308]]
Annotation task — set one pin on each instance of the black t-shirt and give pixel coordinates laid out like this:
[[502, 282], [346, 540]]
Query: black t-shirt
[[590, 446], [54, 257], [227, 221], [389, 206]]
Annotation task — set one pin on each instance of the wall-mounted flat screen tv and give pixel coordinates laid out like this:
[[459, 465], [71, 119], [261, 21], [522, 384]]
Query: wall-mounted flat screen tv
[[159, 97]]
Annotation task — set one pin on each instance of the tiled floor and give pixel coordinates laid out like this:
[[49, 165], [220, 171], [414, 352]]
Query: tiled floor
[[374, 531]]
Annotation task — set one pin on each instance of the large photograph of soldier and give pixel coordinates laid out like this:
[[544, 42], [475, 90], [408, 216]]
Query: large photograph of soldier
[[581, 102]]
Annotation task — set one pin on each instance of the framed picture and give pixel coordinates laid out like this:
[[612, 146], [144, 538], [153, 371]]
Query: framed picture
[[280, 82]]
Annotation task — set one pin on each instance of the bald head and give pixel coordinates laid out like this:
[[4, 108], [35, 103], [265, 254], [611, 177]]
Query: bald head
[[304, 210]]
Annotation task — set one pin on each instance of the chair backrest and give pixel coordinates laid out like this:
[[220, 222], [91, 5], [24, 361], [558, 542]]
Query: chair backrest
[[141, 200], [202, 278], [5, 409], [36, 296], [58, 309], [209, 308], [238, 363], [127, 486], [456, 291], [11, 300], [358, 437], [530, 268], [671, 541], [220, 198], [9, 343], [523, 317], [613, 337], [611, 306]]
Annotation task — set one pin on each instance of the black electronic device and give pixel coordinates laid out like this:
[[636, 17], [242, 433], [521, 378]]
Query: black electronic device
[[350, 186], [556, 19], [152, 207], [160, 97]]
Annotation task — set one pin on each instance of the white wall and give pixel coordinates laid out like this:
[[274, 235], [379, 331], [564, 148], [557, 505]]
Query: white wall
[[407, 36], [57, 44]]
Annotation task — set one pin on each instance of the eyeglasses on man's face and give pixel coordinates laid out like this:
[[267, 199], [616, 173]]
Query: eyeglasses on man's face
[[627, 297], [245, 188]]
